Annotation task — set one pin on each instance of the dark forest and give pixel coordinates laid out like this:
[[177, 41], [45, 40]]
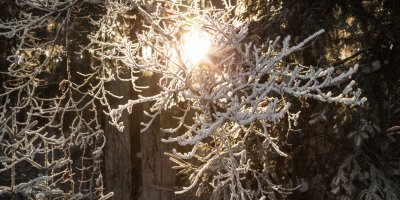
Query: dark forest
[[197, 99]]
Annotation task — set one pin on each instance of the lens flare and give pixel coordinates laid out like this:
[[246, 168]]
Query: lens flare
[[195, 45]]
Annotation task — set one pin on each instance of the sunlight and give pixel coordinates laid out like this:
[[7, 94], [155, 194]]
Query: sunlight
[[146, 52], [196, 43]]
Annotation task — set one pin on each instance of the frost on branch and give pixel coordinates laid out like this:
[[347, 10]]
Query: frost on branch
[[236, 93], [51, 141], [228, 102]]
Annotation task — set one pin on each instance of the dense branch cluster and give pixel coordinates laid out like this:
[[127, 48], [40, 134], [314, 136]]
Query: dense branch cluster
[[49, 115], [238, 90]]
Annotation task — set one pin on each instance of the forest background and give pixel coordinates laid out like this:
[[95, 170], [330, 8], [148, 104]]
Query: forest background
[[335, 151]]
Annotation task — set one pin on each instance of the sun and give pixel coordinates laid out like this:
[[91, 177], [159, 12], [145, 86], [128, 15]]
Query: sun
[[195, 45]]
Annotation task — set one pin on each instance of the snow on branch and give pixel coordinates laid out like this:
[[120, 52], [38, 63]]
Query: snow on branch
[[50, 132], [237, 90], [225, 91]]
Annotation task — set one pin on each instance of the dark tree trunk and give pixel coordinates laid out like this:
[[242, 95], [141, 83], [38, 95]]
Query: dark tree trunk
[[118, 156], [158, 177]]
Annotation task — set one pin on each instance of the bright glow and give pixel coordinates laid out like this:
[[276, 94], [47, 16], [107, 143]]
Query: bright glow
[[196, 43], [146, 52]]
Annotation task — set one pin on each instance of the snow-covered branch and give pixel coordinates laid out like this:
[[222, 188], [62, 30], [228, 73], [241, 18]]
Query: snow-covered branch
[[225, 90]]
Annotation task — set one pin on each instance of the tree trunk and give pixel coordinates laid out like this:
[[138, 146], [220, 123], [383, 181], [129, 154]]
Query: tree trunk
[[157, 174], [118, 158], [158, 177]]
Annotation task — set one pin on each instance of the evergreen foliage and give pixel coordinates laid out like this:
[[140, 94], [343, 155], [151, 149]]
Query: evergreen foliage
[[256, 117]]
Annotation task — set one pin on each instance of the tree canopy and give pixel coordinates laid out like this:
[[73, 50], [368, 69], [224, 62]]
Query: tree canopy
[[250, 114]]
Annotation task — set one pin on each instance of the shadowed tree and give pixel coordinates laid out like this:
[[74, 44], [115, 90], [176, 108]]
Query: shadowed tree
[[228, 109]]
